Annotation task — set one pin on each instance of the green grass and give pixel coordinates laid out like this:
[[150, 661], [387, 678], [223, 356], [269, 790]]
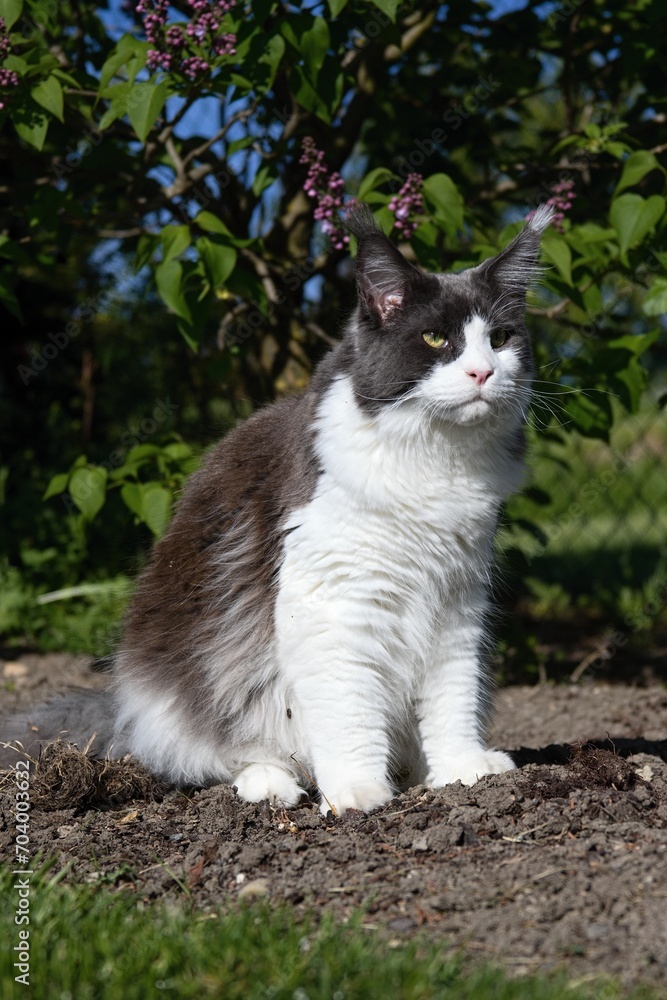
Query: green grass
[[87, 944]]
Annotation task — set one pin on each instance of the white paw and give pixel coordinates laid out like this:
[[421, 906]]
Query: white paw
[[267, 781], [469, 767], [365, 795]]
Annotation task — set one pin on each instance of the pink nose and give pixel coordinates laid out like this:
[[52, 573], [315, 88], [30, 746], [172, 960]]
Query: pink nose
[[479, 376]]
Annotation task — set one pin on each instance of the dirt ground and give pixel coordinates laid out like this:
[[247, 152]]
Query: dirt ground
[[562, 862]]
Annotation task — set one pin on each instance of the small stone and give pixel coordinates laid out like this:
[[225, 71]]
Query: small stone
[[420, 844], [257, 887], [402, 924], [645, 772], [12, 670], [64, 831]]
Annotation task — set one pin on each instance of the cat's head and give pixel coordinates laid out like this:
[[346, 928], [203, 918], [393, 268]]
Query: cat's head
[[455, 345]]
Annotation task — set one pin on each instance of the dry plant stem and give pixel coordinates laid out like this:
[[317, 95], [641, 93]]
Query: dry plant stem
[[314, 784]]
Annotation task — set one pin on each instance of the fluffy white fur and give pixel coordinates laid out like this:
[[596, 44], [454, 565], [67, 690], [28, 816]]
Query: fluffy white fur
[[381, 605]]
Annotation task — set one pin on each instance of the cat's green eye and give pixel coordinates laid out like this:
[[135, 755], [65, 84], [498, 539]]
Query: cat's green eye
[[434, 339], [500, 337]]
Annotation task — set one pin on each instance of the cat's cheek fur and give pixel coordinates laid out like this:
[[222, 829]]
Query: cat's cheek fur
[[452, 385]]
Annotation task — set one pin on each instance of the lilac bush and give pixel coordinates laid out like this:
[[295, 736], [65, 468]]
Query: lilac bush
[[327, 189], [188, 47]]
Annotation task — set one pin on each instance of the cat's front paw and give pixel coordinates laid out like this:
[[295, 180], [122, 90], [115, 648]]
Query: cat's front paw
[[268, 781], [365, 796], [469, 767]]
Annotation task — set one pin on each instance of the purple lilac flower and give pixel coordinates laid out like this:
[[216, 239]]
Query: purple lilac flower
[[225, 45], [188, 47], [174, 37], [562, 195], [407, 203], [5, 41], [8, 78], [327, 189]]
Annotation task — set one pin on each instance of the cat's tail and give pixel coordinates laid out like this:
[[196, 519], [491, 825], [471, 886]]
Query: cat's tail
[[83, 717]]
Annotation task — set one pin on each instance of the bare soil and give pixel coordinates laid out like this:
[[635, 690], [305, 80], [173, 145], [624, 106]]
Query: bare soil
[[562, 862]]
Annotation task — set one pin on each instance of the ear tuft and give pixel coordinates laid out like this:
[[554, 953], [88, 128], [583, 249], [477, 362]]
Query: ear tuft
[[358, 219], [518, 264], [541, 218], [383, 273]]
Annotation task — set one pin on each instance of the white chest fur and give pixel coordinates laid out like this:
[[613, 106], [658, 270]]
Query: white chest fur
[[400, 527], [381, 599]]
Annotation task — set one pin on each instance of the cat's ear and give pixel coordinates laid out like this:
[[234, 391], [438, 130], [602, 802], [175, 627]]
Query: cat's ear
[[518, 264], [383, 274]]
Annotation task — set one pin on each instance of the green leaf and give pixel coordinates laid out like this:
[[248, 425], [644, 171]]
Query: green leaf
[[11, 10], [177, 451], [314, 45], [211, 223], [141, 451], [629, 384], [49, 94], [387, 7], [373, 180], [275, 50], [146, 246], [118, 97], [8, 295], [633, 217], [128, 50], [635, 168], [336, 6], [144, 104], [591, 416], [558, 252], [57, 485], [133, 498], [219, 259], [655, 303], [445, 202], [117, 59], [307, 95], [634, 343], [31, 123], [169, 281], [187, 333], [385, 220], [263, 179], [87, 488], [156, 507], [174, 240]]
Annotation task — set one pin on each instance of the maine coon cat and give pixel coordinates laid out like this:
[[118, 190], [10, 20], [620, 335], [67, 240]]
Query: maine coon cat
[[318, 604]]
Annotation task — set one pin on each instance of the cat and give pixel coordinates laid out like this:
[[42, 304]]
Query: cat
[[315, 615]]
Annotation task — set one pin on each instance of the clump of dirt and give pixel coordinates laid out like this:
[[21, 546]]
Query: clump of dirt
[[66, 777], [599, 768], [590, 766]]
